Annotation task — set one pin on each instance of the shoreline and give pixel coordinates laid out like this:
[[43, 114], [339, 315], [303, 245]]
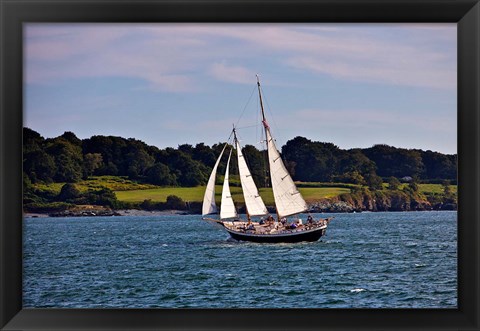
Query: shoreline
[[142, 213], [120, 212]]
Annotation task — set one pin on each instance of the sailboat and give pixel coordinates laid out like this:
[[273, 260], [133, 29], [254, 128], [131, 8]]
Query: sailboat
[[288, 200]]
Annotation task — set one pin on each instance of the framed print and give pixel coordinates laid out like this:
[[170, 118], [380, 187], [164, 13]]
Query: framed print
[[344, 195]]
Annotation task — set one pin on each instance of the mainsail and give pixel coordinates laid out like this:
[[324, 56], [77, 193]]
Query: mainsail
[[209, 206], [253, 201], [227, 207], [288, 199]]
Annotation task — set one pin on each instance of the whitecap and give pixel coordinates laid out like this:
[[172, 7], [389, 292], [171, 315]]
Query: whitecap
[[419, 265], [356, 290]]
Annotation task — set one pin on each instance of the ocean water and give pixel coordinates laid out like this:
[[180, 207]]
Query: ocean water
[[366, 260]]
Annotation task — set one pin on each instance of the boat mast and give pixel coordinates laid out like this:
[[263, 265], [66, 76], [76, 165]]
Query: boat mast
[[288, 200], [266, 127], [235, 142], [264, 121]]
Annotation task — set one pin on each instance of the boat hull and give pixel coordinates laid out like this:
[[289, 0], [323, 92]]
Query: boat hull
[[293, 237]]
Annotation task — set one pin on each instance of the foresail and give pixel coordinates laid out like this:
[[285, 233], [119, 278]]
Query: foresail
[[253, 200], [209, 206], [288, 199], [227, 207]]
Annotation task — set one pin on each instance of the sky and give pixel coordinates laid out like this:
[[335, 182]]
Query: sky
[[354, 85]]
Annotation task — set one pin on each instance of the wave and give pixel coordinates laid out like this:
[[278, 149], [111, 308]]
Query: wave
[[357, 290]]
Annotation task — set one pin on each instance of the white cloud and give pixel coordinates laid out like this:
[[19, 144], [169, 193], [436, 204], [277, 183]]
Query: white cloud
[[174, 57], [235, 74]]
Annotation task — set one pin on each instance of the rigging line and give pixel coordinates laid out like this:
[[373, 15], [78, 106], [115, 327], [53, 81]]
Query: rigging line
[[244, 108], [246, 127], [256, 121], [270, 112]]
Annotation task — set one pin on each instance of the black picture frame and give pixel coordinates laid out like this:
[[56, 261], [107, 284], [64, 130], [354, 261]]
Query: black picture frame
[[14, 13]]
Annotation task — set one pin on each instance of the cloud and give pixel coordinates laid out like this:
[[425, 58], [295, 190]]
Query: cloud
[[105, 51], [180, 57], [235, 74]]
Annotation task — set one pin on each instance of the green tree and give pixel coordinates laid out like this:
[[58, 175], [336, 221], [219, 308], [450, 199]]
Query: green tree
[[412, 186], [91, 162], [68, 192], [68, 160], [71, 138], [355, 161], [32, 140], [397, 162], [39, 166], [137, 162], [188, 172], [448, 195], [374, 181], [315, 161], [103, 197], [393, 183], [159, 174], [204, 154], [439, 166], [352, 177], [174, 202]]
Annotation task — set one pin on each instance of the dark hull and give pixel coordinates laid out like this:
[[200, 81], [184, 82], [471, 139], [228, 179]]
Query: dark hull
[[309, 235]]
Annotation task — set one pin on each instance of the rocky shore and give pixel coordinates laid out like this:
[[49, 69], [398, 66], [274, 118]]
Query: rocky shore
[[87, 210], [323, 206], [337, 205]]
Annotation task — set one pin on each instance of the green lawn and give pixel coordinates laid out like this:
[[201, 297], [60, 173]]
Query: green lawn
[[115, 183], [427, 188], [435, 188], [196, 193], [130, 191]]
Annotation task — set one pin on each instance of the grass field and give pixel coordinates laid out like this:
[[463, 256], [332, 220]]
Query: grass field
[[427, 188], [130, 191], [435, 188], [196, 193], [115, 183]]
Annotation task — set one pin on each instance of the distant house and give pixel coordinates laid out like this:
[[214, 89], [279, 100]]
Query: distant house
[[406, 179]]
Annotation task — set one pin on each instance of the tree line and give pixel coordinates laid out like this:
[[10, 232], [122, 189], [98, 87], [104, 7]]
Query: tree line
[[67, 158]]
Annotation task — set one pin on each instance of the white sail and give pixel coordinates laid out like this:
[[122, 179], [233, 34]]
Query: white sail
[[288, 199], [209, 206], [253, 200], [227, 207]]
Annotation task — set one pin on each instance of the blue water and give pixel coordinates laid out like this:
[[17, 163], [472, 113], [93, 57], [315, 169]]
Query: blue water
[[366, 260]]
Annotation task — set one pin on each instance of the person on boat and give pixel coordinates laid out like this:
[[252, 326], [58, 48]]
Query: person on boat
[[310, 219], [270, 219], [293, 225], [262, 221], [283, 220]]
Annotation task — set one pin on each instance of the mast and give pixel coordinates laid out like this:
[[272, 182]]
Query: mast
[[253, 201], [265, 126], [227, 207], [264, 121], [237, 146], [288, 200]]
